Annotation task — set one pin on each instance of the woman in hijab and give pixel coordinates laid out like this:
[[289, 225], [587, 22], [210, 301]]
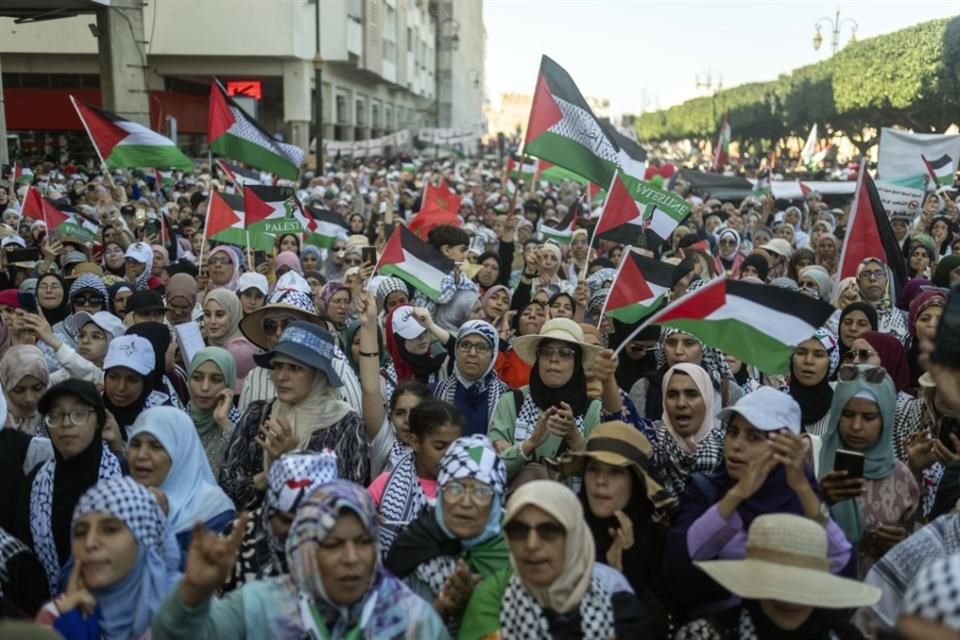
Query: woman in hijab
[[24, 378], [213, 376], [728, 258], [689, 439], [764, 470], [334, 265], [474, 387], [306, 414], [292, 478], [114, 259], [410, 346], [449, 546], [925, 312], [509, 366], [223, 267], [921, 257], [882, 350], [75, 417], [337, 588], [52, 299], [334, 302], [286, 261], [494, 303], [876, 511], [181, 298], [553, 414], [799, 260], [875, 282], [310, 258], [131, 382], [122, 572], [288, 243], [854, 321], [812, 365], [554, 588], [221, 320], [119, 292], [165, 455], [172, 378], [828, 252], [817, 282]]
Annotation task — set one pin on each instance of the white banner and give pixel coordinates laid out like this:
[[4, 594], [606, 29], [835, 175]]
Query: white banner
[[899, 200], [900, 151], [364, 148]]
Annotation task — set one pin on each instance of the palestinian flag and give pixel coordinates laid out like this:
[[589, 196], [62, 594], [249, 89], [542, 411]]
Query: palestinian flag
[[721, 155], [322, 227], [940, 170], [638, 287], [240, 176], [225, 218], [556, 175], [415, 262], [521, 168], [763, 186], [122, 143], [561, 231], [757, 323], [869, 235], [22, 174], [55, 216], [439, 206], [233, 133], [634, 205], [270, 212], [163, 178], [631, 157]]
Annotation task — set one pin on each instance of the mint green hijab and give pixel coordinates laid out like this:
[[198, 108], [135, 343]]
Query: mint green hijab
[[879, 459], [203, 418]]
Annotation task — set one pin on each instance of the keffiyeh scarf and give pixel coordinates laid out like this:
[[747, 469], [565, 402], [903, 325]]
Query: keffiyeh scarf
[[402, 501], [522, 617]]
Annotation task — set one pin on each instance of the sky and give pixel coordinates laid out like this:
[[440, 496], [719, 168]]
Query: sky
[[644, 55]]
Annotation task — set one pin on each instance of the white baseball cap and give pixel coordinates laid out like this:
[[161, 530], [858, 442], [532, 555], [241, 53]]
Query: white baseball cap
[[768, 410], [15, 240], [133, 352], [251, 280], [405, 325], [141, 252], [103, 319]]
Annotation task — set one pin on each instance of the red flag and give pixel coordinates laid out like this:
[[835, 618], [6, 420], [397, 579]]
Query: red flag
[[439, 206]]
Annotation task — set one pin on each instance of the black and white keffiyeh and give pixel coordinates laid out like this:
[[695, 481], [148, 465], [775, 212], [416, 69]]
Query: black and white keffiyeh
[[489, 384], [41, 512], [10, 547], [131, 502], [677, 465], [528, 415], [935, 593], [402, 501], [522, 617], [435, 571]]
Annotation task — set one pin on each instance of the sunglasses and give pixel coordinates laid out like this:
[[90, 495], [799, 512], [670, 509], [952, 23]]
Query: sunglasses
[[83, 300], [549, 353], [850, 372], [858, 354], [352, 263], [547, 531]]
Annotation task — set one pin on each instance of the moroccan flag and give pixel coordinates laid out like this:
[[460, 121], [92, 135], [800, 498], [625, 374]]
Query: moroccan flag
[[638, 287], [122, 143], [240, 176], [563, 130], [940, 170], [233, 133], [54, 216], [225, 219], [561, 231], [757, 323], [439, 206], [869, 235], [721, 154], [414, 261], [634, 205], [323, 227]]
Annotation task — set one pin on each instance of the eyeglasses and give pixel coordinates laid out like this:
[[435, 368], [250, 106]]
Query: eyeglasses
[[876, 274], [858, 354], [481, 348], [75, 417], [546, 531], [91, 300], [218, 261], [727, 241], [850, 372], [339, 249], [562, 353], [480, 494]]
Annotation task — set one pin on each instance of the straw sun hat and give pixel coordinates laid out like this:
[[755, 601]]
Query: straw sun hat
[[562, 329], [787, 560]]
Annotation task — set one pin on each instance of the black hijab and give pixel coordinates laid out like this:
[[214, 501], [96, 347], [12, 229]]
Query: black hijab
[[823, 624], [71, 478], [57, 314], [867, 309], [159, 336], [574, 392], [814, 400], [423, 364]]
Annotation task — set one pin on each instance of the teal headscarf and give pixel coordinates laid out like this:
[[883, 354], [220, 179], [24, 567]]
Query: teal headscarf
[[879, 459], [203, 418], [349, 333]]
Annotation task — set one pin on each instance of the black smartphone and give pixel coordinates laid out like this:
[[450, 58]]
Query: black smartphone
[[368, 255], [946, 346], [849, 461], [28, 301], [259, 257], [23, 255]]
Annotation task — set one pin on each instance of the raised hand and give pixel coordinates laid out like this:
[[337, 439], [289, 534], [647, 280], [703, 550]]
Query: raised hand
[[210, 560]]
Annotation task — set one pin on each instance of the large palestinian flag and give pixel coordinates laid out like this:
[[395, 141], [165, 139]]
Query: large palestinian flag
[[638, 287], [634, 205], [233, 133], [869, 235], [414, 261], [225, 219], [322, 227], [757, 323], [122, 143], [563, 130]]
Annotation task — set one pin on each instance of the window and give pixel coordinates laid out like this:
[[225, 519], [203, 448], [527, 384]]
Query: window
[[341, 109], [375, 116], [409, 40], [388, 118], [361, 116], [355, 9]]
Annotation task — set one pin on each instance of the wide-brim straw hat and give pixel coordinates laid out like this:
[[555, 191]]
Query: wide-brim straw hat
[[562, 329], [619, 444], [251, 326], [786, 560]]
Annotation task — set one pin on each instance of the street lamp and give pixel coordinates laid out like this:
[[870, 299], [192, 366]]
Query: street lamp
[[835, 24]]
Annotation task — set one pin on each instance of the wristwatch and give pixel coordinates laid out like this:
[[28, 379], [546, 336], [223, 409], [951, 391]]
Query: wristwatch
[[824, 516]]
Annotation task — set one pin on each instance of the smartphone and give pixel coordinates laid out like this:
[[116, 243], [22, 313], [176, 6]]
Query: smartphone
[[259, 257], [27, 301], [849, 461], [368, 255], [946, 346], [23, 255]]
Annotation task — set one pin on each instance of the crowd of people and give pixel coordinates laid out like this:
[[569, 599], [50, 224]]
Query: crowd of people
[[202, 441]]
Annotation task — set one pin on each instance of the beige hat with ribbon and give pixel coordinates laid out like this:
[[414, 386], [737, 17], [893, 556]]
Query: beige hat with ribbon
[[562, 329]]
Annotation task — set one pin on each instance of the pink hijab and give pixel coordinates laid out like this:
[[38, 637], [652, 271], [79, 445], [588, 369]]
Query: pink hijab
[[702, 380], [287, 259]]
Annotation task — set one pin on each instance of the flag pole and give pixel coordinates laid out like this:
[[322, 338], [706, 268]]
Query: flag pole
[[103, 163], [513, 200], [203, 238], [626, 250]]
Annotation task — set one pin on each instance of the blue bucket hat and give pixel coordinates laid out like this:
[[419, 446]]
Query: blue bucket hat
[[307, 344]]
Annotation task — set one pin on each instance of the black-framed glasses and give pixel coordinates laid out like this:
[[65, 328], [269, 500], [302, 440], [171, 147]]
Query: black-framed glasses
[[858, 354], [850, 372], [75, 417], [562, 353], [480, 494], [546, 531], [481, 348], [876, 274], [88, 300]]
